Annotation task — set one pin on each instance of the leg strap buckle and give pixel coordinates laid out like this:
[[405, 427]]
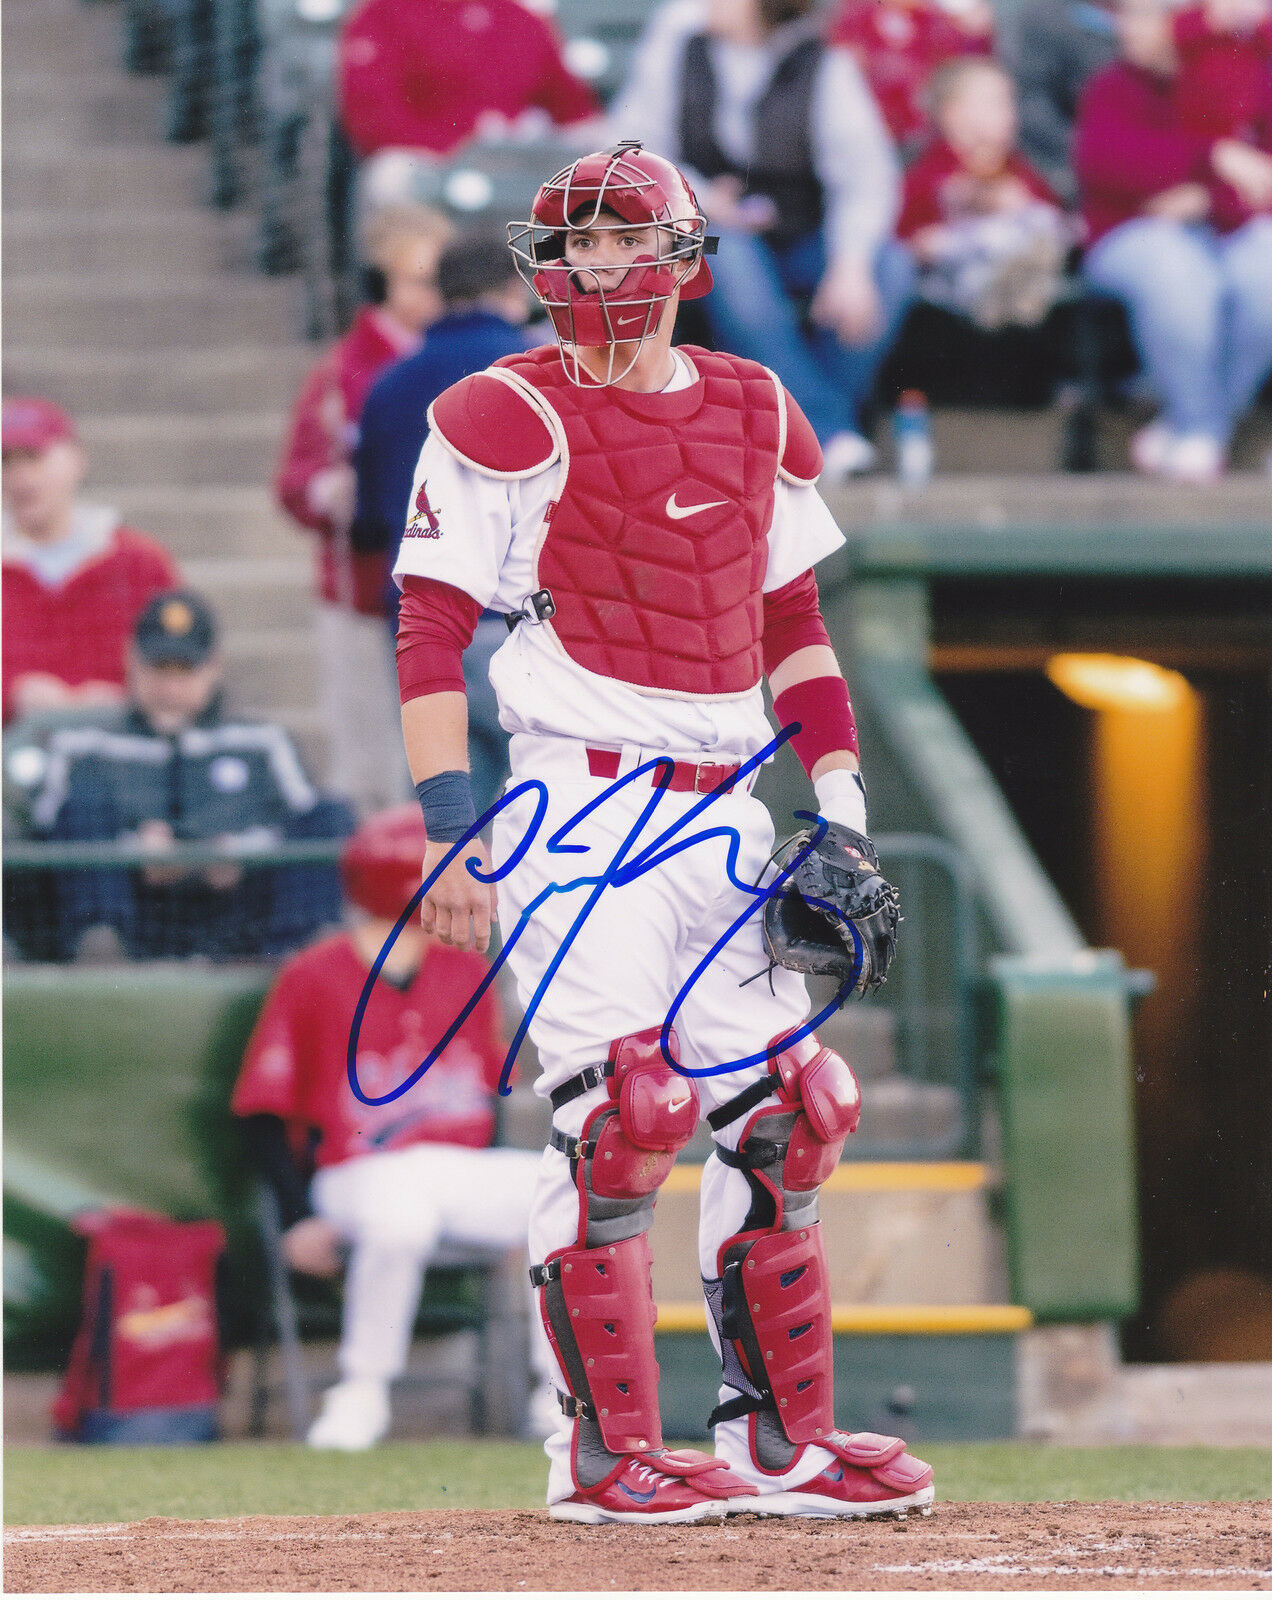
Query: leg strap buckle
[[590, 1078], [573, 1406], [571, 1145]]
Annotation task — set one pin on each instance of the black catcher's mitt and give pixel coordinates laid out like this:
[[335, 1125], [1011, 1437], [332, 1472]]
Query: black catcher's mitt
[[838, 913]]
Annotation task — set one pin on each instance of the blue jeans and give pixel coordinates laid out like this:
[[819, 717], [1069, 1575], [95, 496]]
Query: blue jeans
[[1200, 309], [753, 312]]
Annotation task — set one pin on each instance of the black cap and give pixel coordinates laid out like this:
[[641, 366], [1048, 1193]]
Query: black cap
[[178, 626]]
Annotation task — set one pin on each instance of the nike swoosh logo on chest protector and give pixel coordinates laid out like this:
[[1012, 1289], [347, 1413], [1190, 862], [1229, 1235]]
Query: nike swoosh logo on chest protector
[[677, 512]]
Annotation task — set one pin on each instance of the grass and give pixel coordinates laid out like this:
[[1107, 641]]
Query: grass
[[70, 1484]]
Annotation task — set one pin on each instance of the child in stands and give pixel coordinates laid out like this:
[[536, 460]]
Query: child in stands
[[986, 228]]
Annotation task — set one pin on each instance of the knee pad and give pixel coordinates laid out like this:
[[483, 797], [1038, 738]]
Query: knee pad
[[789, 1150], [771, 1303], [630, 1141], [823, 1088]]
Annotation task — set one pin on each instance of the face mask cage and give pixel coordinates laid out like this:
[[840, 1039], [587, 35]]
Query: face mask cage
[[583, 310]]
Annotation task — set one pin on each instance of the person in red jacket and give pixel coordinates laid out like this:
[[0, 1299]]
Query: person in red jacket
[[1178, 210], [986, 228], [316, 485], [900, 43], [427, 74], [75, 578], [393, 1182], [1225, 67]]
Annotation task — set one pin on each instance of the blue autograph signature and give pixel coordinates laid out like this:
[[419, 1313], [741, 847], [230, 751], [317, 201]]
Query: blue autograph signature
[[621, 870]]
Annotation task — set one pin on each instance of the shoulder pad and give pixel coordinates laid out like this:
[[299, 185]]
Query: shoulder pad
[[801, 461], [489, 423]]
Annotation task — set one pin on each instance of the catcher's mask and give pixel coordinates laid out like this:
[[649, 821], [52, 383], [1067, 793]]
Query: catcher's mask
[[614, 191], [380, 865]]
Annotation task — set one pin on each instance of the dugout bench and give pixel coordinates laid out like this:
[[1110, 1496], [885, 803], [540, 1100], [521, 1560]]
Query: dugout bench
[[117, 1088]]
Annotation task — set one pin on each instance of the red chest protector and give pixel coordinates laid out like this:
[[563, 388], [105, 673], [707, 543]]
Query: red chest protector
[[656, 542]]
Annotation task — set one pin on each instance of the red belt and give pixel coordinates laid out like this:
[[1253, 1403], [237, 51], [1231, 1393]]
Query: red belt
[[700, 777]]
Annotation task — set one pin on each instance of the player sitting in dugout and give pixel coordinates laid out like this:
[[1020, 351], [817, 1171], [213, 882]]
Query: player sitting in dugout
[[393, 1183], [647, 519], [171, 767]]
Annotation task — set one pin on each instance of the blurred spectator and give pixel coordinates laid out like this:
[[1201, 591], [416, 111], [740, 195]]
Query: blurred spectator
[[75, 579], [485, 312], [170, 768], [986, 228], [315, 483], [795, 170], [1053, 48], [898, 44], [1180, 224], [395, 1181], [425, 75], [1224, 86]]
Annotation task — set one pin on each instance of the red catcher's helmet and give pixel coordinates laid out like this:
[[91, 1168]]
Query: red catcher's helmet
[[380, 866], [642, 190]]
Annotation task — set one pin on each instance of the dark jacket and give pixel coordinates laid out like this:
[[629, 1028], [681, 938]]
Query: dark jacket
[[783, 170], [395, 420], [219, 776]]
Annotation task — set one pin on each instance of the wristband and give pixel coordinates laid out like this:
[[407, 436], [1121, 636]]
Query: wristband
[[447, 803], [841, 797]]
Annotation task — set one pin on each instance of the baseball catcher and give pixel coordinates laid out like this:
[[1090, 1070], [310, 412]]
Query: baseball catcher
[[647, 519]]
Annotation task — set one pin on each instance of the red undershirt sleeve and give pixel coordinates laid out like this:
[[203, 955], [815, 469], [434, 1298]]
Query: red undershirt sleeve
[[436, 623], [792, 620]]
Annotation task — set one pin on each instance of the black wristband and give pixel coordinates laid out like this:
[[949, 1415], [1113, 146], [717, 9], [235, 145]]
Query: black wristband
[[447, 803]]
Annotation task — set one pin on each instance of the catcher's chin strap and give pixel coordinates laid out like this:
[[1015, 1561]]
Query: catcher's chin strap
[[595, 1296], [771, 1303]]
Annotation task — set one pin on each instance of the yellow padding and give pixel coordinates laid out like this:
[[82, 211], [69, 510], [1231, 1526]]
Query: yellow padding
[[687, 1317], [865, 1176]]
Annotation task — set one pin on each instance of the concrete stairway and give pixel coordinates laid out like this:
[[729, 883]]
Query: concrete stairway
[[133, 305]]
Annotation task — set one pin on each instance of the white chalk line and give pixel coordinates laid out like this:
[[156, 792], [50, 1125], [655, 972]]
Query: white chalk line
[[117, 1532], [1007, 1568]]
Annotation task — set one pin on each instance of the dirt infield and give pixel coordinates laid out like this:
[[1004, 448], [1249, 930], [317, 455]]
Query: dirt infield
[[1069, 1546]]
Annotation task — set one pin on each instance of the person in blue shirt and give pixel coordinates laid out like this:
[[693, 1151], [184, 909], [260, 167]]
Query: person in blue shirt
[[484, 319]]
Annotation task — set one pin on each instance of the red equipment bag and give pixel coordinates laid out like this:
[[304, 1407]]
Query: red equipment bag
[[146, 1363]]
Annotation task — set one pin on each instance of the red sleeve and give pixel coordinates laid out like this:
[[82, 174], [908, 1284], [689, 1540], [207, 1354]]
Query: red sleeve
[[313, 443], [564, 97], [272, 1076], [1118, 154], [436, 623], [792, 620]]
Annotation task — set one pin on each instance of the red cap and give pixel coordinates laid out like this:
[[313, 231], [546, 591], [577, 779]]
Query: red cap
[[33, 424]]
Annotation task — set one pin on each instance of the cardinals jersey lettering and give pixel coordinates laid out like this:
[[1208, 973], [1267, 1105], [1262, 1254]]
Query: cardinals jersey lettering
[[295, 1068]]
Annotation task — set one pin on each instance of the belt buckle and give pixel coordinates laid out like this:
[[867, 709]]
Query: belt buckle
[[709, 768]]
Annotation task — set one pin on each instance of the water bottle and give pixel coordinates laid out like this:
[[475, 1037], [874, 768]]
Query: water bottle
[[912, 439]]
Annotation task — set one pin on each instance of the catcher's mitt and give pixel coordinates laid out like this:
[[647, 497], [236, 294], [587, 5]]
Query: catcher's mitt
[[837, 915]]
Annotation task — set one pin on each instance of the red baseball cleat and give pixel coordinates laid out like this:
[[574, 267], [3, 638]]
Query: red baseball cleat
[[658, 1486], [871, 1477]]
